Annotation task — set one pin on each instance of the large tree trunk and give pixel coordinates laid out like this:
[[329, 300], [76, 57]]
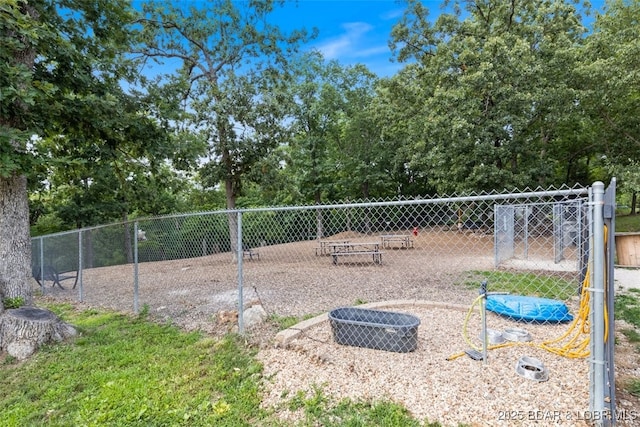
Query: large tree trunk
[[15, 243], [22, 330]]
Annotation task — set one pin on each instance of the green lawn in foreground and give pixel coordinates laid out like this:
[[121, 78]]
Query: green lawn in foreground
[[126, 371], [129, 371]]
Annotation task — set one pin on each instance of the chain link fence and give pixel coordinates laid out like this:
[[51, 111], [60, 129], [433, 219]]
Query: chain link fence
[[301, 261], [206, 270]]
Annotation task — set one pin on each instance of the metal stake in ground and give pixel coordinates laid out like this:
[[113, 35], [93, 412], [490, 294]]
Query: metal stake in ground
[[483, 314]]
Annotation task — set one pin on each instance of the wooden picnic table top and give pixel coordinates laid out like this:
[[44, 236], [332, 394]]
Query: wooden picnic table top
[[332, 242], [355, 244]]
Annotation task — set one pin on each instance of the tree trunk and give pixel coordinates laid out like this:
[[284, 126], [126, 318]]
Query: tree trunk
[[15, 243], [128, 247], [23, 330], [319, 219], [232, 216], [634, 203]]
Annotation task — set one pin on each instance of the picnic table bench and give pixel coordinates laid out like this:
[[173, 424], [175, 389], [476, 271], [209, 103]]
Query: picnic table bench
[[404, 239], [250, 252], [356, 249], [48, 272]]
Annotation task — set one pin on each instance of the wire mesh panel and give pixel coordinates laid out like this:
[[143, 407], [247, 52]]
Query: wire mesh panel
[[188, 269], [301, 261], [526, 233], [445, 254], [107, 266], [54, 260]]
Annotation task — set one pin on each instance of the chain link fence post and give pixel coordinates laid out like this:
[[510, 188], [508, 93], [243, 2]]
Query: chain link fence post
[[597, 307], [136, 295], [610, 222], [240, 256], [80, 268]]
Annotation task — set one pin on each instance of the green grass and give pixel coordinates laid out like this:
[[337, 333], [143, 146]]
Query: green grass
[[529, 284], [284, 322], [634, 387], [126, 371], [627, 307], [319, 411], [627, 223]]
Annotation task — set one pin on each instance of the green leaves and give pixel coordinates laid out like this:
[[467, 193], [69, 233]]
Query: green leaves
[[99, 137], [495, 84], [494, 94]]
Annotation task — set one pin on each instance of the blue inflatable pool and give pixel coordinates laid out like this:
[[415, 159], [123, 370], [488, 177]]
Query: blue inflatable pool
[[529, 309]]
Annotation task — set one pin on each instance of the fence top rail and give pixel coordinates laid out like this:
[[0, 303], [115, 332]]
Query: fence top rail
[[575, 192]]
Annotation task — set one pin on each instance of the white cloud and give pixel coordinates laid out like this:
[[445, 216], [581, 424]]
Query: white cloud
[[372, 51], [392, 14], [347, 43]]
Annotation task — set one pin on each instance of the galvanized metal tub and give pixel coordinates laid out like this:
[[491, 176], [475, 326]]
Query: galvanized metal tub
[[376, 329]]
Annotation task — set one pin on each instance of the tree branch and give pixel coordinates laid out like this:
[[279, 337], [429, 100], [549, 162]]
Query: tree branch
[[627, 135]]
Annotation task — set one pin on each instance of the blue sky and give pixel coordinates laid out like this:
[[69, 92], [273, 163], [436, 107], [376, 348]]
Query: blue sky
[[354, 31], [350, 31]]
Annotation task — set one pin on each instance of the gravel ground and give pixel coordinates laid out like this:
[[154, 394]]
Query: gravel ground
[[434, 388], [290, 280]]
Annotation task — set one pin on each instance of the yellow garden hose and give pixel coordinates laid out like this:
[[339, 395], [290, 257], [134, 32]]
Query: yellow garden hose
[[573, 343]]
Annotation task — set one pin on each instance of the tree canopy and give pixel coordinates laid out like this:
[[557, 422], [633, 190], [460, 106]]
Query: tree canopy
[[69, 125], [174, 106]]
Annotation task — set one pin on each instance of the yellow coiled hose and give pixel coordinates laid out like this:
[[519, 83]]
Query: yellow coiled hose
[[574, 343]]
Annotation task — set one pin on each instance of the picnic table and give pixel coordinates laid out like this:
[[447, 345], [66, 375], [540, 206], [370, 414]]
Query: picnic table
[[404, 240], [356, 249], [325, 246]]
